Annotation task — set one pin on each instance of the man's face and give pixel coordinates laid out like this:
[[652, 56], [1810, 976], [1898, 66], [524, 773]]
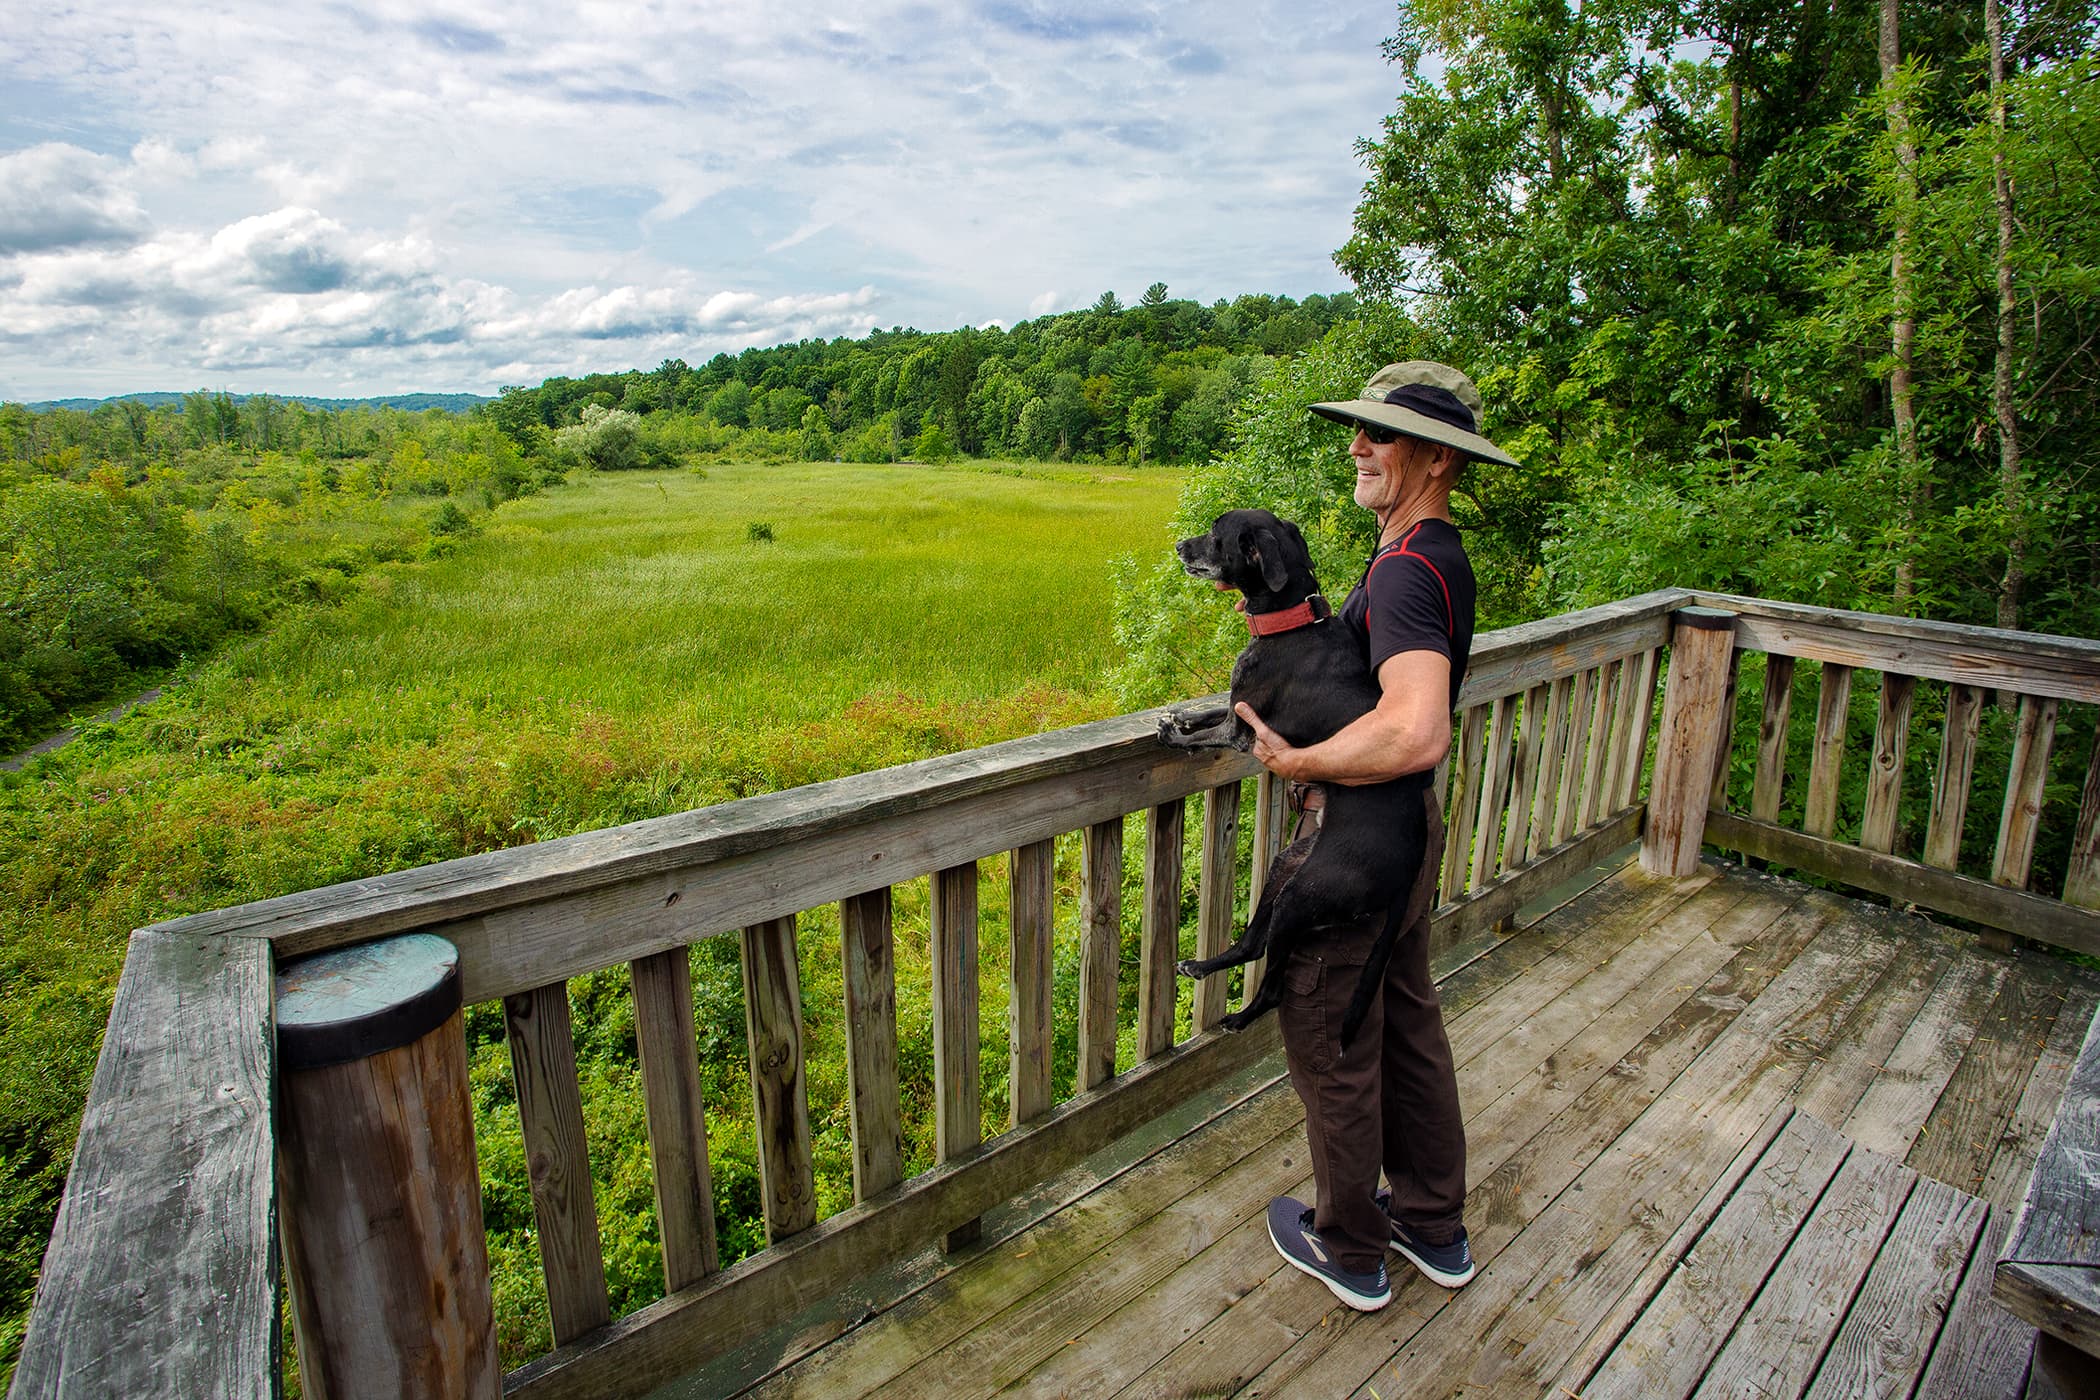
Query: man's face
[[1382, 470]]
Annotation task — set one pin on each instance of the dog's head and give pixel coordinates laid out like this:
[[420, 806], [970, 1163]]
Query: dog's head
[[1255, 552]]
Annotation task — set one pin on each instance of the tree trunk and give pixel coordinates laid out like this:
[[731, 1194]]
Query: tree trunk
[[2002, 387], [1903, 316]]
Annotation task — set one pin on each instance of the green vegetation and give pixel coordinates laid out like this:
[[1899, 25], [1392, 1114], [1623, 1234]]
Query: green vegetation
[[1661, 239], [597, 654]]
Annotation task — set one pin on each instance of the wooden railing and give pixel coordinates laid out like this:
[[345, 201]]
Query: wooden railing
[[160, 1277], [1902, 835]]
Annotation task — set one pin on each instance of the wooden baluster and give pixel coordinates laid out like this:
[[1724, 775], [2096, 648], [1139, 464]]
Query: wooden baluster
[[1271, 821], [1494, 792], [1877, 826], [1833, 702], [958, 1109], [1648, 672], [868, 952], [1717, 800], [1472, 746], [1691, 742], [550, 1107], [685, 1194], [1567, 800], [2023, 792], [1160, 930], [1214, 926], [1100, 948], [1548, 790], [2082, 873], [1957, 770], [1765, 792], [1524, 777], [1598, 758], [773, 1033], [1028, 1038]]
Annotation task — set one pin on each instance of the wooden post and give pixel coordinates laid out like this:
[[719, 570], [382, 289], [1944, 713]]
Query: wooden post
[[1691, 742], [382, 1201]]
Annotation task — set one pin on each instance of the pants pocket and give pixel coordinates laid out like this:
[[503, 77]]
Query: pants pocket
[[1304, 1014]]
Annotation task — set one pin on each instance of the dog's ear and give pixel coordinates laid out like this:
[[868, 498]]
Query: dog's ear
[[1267, 551], [1290, 527]]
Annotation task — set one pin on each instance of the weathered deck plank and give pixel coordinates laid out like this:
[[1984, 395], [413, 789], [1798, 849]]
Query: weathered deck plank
[[1626, 1062]]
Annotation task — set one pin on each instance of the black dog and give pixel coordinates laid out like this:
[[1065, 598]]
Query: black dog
[[1304, 674]]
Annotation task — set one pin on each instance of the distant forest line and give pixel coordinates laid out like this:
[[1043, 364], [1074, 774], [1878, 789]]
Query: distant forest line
[[135, 535]]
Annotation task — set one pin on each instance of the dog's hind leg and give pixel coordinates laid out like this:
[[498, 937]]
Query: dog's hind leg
[[1254, 939]]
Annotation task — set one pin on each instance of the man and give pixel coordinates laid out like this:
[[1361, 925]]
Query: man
[[1390, 1099]]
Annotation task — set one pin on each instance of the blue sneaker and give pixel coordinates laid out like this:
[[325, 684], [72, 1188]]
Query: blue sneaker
[[1446, 1265], [1291, 1231]]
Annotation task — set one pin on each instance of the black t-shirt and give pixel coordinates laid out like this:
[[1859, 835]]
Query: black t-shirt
[[1417, 595]]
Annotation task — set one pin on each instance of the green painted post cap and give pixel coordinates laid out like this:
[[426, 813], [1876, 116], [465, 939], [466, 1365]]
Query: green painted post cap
[[350, 1003]]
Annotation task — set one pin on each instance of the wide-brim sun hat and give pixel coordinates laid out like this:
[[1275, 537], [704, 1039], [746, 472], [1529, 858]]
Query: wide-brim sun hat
[[1422, 399]]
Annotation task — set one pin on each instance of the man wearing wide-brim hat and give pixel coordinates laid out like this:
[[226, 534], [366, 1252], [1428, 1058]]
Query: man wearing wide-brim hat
[[1389, 1100]]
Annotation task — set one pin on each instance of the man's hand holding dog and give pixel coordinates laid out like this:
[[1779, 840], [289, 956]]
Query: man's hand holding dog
[[1409, 732]]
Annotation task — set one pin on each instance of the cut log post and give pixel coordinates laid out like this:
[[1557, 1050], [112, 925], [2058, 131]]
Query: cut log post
[[382, 1202], [1691, 741]]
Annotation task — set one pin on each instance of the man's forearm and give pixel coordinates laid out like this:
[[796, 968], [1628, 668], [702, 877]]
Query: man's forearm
[[1374, 748]]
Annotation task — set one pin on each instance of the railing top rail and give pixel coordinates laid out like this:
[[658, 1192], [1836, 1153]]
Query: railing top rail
[[472, 887], [2033, 663]]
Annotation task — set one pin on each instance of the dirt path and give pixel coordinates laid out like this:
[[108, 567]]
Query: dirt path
[[67, 736]]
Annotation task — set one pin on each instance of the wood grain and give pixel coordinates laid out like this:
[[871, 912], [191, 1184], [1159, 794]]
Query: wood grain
[[1957, 770], [160, 1277], [384, 1247], [1649, 675], [670, 1056], [2021, 817], [1827, 751], [1494, 792], [773, 1032], [868, 951], [1100, 948], [2082, 870], [1769, 785], [1877, 824], [1216, 886], [550, 1106], [958, 1103], [1160, 929], [1567, 797], [1547, 789], [1717, 798], [1690, 744], [2064, 668], [1030, 874], [1469, 754], [2033, 916], [1524, 779], [1602, 727]]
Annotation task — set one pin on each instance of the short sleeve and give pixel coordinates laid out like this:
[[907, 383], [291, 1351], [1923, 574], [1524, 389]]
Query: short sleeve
[[1409, 608]]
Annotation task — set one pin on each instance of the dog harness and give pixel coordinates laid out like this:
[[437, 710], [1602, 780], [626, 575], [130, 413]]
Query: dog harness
[[1313, 609]]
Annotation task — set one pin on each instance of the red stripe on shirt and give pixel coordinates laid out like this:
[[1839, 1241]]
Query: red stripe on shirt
[[1450, 617]]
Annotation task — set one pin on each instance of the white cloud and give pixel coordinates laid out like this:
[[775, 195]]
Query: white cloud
[[597, 177], [59, 196]]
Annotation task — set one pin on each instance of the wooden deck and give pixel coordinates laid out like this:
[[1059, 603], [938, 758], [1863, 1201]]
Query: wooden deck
[[1728, 1136]]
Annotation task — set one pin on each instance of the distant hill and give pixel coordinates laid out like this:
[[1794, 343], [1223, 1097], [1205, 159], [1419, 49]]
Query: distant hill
[[411, 403]]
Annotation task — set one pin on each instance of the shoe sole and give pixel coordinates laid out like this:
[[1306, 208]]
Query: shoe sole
[[1354, 1300], [1429, 1271]]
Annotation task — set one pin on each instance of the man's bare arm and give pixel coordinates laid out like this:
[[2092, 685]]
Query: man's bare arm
[[1409, 732]]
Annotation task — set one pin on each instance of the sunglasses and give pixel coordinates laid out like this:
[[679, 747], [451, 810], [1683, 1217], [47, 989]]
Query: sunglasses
[[1383, 437]]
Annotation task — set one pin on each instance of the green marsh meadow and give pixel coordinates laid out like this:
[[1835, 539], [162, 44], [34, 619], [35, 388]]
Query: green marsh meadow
[[636, 644]]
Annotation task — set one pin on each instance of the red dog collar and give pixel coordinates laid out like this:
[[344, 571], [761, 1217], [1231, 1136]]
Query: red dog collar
[[1313, 609]]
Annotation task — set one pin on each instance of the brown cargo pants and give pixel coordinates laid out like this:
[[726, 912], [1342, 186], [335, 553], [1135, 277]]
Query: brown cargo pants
[[1391, 1100]]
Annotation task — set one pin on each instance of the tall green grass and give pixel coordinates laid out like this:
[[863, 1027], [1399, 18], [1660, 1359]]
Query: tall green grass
[[620, 649]]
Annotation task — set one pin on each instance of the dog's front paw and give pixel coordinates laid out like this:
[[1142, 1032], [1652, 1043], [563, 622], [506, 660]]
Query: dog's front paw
[[1187, 968]]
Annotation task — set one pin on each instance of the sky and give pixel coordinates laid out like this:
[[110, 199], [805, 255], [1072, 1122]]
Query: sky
[[375, 198]]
